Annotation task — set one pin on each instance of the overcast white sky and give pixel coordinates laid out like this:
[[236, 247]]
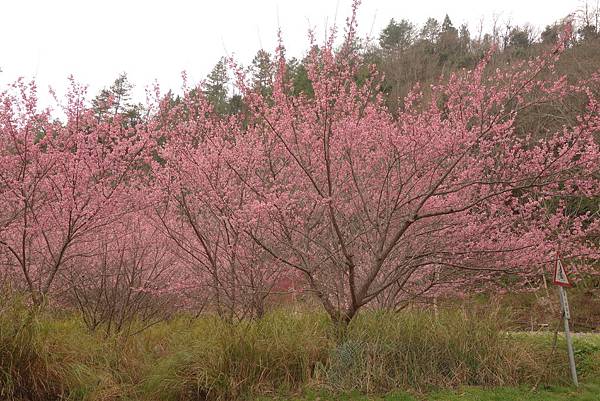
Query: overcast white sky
[[151, 40]]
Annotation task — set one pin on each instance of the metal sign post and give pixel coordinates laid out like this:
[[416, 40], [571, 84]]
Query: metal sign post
[[562, 280]]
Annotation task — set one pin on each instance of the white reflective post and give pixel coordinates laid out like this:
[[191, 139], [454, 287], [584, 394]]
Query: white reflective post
[[566, 316]]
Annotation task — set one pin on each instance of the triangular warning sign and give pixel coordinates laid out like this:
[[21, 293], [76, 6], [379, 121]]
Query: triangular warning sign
[[560, 275]]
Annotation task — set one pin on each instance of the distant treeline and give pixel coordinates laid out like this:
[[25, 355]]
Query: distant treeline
[[407, 53]]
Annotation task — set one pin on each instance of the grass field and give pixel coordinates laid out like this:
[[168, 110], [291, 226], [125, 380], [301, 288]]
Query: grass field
[[291, 355]]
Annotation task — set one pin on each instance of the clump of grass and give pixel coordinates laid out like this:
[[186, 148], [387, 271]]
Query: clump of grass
[[552, 348], [45, 358], [213, 359], [418, 350], [24, 372]]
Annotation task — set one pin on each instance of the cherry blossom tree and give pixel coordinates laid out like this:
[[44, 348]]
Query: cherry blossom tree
[[61, 182], [128, 282], [364, 203], [199, 196]]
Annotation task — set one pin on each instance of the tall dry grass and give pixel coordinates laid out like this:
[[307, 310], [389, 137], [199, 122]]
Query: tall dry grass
[[50, 356]]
